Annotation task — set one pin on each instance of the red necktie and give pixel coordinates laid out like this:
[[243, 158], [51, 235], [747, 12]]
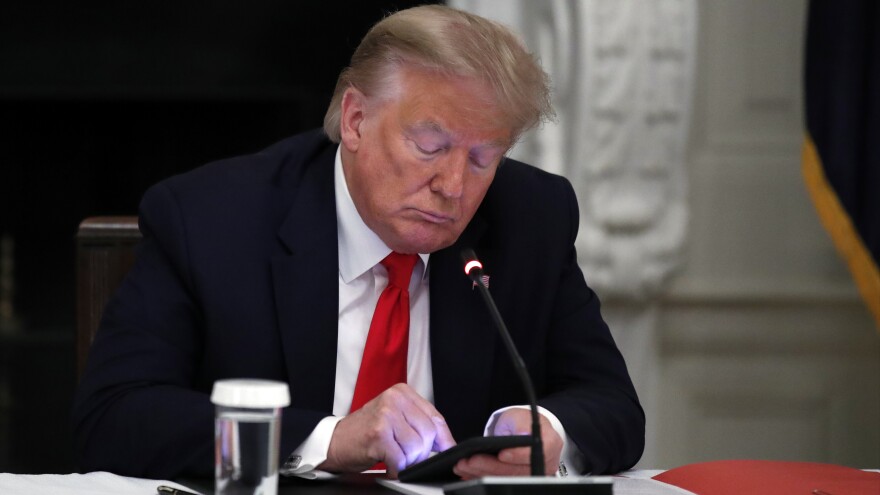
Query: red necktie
[[384, 360]]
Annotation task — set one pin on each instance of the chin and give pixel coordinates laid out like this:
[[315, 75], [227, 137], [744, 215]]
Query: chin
[[418, 247], [422, 239], [425, 245]]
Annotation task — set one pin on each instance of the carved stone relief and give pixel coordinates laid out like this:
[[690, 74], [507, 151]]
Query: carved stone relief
[[623, 75]]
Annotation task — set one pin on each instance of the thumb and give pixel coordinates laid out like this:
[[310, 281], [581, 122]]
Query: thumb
[[506, 424], [513, 422], [503, 429]]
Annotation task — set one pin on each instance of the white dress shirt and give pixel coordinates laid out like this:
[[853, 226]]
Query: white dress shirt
[[361, 280]]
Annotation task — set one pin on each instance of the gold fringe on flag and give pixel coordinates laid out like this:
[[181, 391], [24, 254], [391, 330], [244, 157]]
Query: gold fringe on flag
[[839, 225]]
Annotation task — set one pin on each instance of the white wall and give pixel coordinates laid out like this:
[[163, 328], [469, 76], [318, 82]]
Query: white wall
[[759, 347], [765, 350]]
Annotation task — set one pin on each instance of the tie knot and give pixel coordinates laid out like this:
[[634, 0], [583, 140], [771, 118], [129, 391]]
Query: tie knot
[[400, 267]]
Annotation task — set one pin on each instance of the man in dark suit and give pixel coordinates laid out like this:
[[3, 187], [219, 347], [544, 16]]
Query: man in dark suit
[[270, 266]]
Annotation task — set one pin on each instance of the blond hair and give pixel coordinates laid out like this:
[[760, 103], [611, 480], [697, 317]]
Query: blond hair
[[450, 42]]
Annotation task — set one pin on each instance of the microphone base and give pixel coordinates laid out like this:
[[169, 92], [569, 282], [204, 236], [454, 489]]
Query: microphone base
[[532, 485]]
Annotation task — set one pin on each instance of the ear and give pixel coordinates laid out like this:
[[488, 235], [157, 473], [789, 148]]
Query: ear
[[354, 104]]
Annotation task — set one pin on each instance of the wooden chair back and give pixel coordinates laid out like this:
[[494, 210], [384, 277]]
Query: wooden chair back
[[104, 254]]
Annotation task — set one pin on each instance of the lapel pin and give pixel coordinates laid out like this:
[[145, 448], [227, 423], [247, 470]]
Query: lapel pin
[[484, 279]]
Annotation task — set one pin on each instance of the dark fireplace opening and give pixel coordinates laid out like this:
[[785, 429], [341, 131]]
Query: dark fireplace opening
[[99, 102]]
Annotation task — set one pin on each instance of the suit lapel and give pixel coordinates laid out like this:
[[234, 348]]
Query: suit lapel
[[462, 338], [306, 287]]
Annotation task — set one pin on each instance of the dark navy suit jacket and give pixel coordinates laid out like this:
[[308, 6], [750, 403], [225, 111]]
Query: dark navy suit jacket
[[237, 277]]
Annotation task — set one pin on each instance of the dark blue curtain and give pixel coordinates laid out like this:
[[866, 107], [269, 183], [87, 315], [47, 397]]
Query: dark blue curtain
[[842, 89]]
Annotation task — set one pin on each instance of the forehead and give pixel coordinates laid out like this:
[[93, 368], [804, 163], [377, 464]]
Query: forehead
[[458, 107]]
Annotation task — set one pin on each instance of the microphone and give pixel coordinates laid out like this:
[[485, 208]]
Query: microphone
[[537, 483], [474, 269]]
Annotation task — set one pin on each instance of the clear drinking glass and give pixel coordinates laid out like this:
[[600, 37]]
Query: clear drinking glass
[[247, 432]]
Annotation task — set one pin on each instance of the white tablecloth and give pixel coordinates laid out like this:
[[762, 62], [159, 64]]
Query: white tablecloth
[[101, 483], [637, 482], [98, 483]]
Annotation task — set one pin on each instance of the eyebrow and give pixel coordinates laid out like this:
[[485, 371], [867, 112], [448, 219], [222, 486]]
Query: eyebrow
[[430, 125]]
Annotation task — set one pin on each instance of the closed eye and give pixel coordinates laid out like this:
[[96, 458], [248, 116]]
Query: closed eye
[[428, 151], [484, 160], [427, 139], [476, 161]]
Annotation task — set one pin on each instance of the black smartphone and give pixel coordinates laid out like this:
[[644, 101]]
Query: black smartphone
[[439, 467]]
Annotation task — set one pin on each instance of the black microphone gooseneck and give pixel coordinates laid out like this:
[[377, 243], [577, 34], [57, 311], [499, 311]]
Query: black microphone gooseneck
[[474, 269]]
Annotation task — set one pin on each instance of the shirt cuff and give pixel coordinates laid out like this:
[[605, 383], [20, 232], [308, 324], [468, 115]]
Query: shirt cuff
[[313, 451], [571, 460]]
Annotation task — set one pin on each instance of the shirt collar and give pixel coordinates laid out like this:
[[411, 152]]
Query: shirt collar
[[360, 249]]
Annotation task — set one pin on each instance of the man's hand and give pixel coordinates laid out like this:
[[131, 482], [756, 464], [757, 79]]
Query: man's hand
[[398, 427], [515, 461]]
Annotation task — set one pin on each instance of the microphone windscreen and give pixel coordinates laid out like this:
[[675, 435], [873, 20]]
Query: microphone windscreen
[[469, 257]]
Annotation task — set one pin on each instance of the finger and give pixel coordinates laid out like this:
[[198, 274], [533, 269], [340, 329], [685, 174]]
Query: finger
[[427, 421], [420, 432], [516, 455], [523, 456], [380, 436], [425, 424], [443, 439], [487, 465], [434, 438], [413, 443], [393, 457]]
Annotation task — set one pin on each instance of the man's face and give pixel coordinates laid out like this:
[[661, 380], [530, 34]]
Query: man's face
[[418, 163]]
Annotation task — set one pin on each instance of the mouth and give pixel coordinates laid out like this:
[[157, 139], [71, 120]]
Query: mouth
[[433, 216]]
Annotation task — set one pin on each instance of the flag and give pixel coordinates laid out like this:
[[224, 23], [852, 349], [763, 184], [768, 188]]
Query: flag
[[841, 152]]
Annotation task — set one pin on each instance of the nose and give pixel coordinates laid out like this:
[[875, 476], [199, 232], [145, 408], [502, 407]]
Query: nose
[[448, 179]]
